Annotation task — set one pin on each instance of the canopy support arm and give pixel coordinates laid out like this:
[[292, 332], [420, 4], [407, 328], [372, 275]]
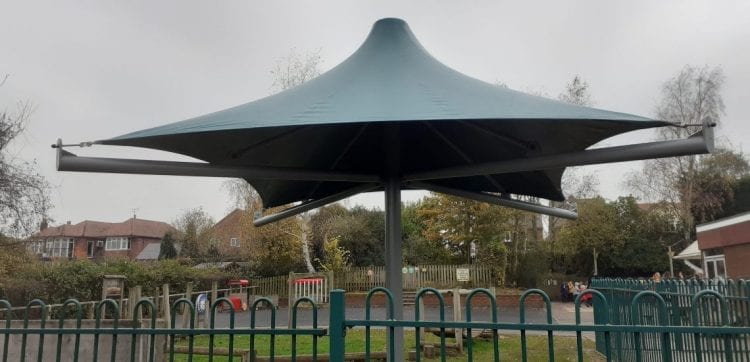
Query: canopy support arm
[[701, 142], [492, 199], [67, 161], [313, 204]]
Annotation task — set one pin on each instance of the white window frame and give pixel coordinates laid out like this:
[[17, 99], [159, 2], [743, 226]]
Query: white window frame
[[234, 242], [60, 248], [713, 271], [116, 243]]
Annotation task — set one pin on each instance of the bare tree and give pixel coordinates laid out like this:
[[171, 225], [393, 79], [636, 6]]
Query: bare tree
[[576, 92], [289, 72], [24, 198], [690, 99], [576, 183], [243, 194], [295, 69]]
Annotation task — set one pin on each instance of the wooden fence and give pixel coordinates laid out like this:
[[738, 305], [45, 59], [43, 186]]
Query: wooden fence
[[361, 279], [277, 285]]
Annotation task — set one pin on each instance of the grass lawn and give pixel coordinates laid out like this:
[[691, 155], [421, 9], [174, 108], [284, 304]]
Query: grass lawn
[[510, 346]]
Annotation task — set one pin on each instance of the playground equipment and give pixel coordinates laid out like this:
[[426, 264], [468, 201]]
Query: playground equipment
[[316, 286], [238, 294]]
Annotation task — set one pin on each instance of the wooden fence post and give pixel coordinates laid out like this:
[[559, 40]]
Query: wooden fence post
[[159, 312], [457, 318], [138, 294], [185, 311], [131, 303], [290, 299], [165, 304], [214, 296]]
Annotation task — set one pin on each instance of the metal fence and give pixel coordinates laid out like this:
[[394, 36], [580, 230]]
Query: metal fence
[[148, 339], [708, 304]]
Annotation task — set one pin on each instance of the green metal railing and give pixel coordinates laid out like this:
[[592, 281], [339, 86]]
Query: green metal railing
[[140, 340], [633, 321], [708, 305]]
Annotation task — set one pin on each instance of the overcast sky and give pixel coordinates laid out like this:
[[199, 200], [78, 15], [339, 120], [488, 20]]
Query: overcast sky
[[99, 69]]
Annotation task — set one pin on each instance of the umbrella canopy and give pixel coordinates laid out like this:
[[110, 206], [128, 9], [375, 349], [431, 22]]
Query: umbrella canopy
[[337, 123]]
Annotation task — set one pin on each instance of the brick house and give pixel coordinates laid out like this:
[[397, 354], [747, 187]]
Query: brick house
[[228, 234], [96, 239]]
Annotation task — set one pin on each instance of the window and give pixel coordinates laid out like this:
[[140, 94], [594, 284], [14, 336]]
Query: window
[[235, 242], [715, 266], [117, 243], [90, 248], [60, 248], [36, 247]]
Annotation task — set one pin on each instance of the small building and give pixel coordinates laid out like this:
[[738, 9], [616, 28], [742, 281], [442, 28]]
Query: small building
[[725, 247], [96, 239]]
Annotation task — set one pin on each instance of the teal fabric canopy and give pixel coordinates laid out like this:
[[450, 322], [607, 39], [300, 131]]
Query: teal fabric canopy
[[336, 122]]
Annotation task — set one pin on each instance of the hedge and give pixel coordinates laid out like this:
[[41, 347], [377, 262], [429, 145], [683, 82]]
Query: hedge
[[54, 282]]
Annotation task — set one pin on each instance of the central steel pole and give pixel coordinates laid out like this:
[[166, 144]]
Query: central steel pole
[[393, 255]]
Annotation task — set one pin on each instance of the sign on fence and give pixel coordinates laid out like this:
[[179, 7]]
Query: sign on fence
[[462, 275]]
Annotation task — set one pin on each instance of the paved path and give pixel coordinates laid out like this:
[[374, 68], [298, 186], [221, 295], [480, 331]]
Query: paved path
[[562, 313]]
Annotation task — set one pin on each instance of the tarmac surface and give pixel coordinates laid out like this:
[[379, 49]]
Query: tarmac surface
[[562, 313]]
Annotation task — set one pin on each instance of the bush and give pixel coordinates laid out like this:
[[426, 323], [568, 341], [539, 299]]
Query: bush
[[532, 268], [54, 282]]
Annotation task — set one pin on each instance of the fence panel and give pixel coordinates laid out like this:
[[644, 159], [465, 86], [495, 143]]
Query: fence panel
[[715, 329], [70, 337], [363, 279], [277, 285], [687, 303]]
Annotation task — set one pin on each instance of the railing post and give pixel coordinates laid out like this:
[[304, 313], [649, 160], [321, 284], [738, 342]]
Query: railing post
[[336, 327]]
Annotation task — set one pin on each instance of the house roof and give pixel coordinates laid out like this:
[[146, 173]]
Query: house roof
[[150, 252], [232, 218], [94, 229], [646, 206], [724, 222], [220, 265], [689, 253], [231, 225]]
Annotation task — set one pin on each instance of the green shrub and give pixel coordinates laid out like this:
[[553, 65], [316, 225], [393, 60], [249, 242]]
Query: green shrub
[[55, 282]]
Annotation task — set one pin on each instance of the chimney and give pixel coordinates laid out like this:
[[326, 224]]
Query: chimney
[[44, 224], [68, 222]]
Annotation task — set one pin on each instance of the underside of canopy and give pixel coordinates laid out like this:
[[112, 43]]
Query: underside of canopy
[[337, 122]]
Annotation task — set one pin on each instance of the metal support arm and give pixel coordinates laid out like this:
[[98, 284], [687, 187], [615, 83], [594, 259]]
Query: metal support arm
[[314, 204], [701, 142], [67, 161], [492, 199]]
